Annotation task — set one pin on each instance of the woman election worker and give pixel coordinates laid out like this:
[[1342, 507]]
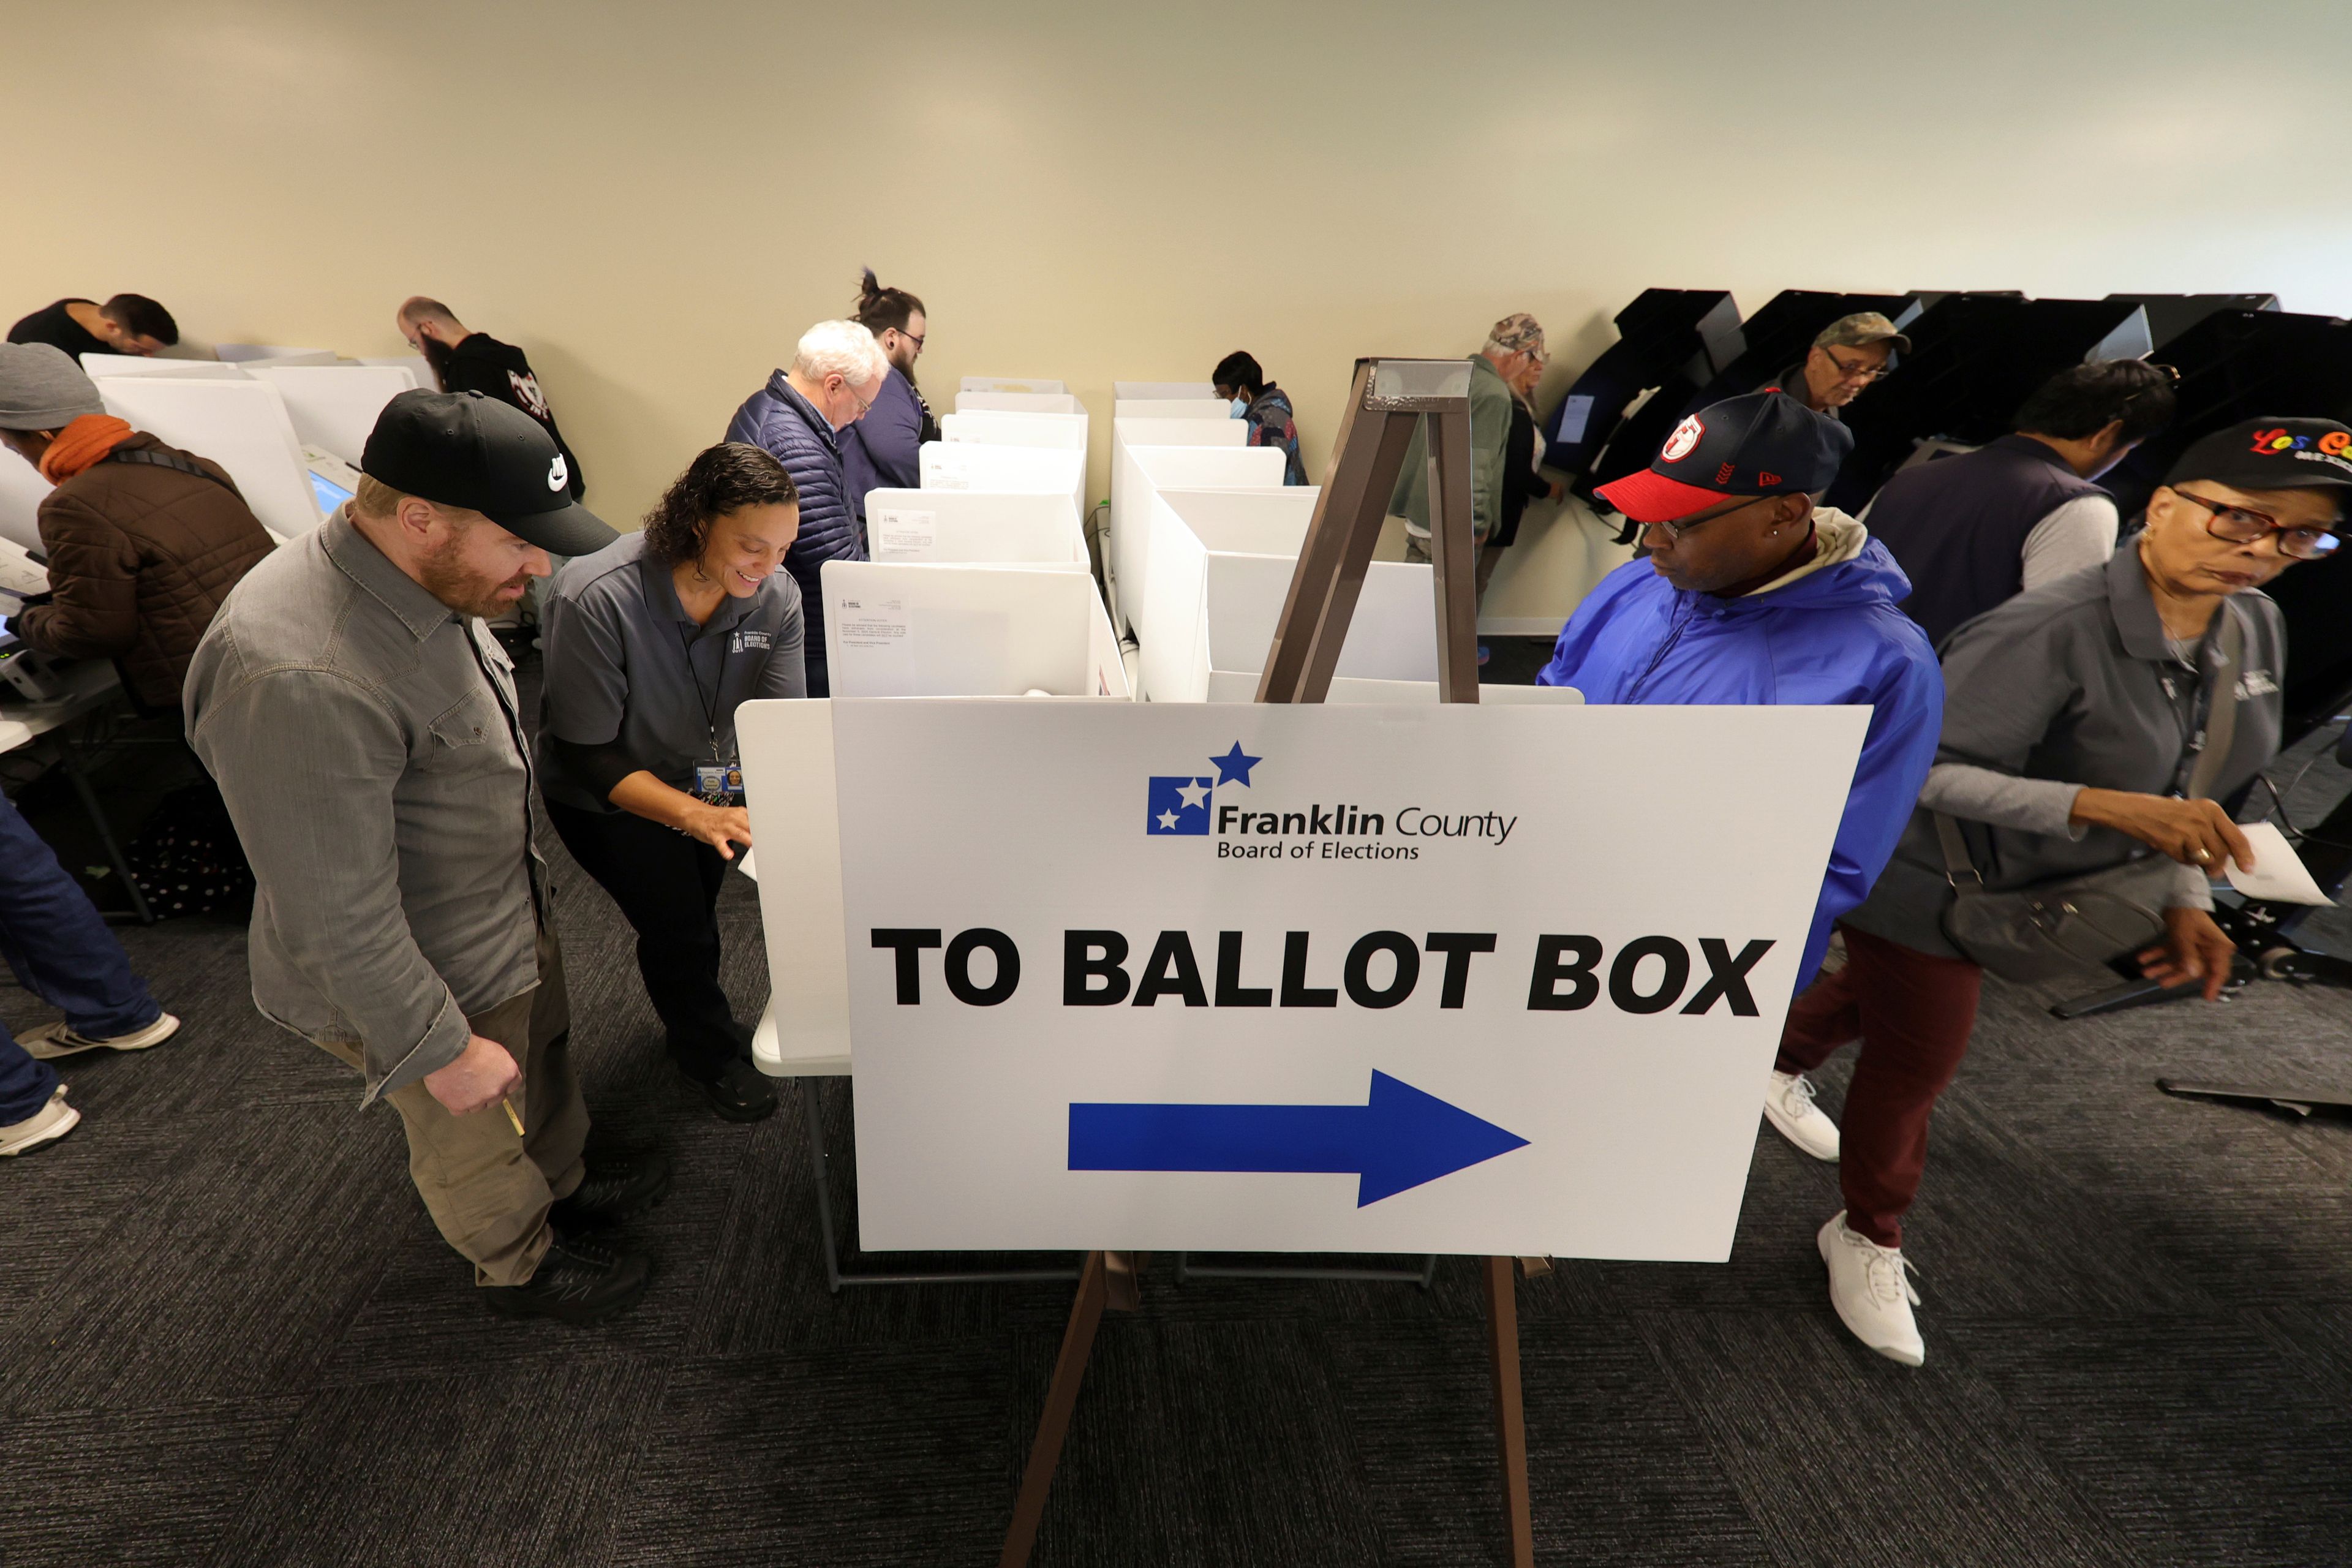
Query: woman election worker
[[2076, 723], [651, 644]]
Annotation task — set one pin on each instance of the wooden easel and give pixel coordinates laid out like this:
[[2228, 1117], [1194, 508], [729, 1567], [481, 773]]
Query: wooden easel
[[1388, 399]]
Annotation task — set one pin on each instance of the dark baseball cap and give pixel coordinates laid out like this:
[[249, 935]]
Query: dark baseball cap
[[2271, 455], [463, 450], [1763, 444]]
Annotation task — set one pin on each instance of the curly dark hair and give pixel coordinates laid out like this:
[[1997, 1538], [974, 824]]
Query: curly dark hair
[[722, 479]]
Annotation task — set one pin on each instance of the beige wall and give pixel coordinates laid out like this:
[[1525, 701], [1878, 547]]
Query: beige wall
[[654, 199]]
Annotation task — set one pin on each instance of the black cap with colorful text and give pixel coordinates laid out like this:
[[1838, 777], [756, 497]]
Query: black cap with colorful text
[[2270, 455]]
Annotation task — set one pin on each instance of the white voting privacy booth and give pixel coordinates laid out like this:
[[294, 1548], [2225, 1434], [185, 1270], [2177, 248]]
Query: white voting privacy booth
[[1162, 391], [97, 365], [1017, 403], [1291, 978], [997, 427], [22, 491], [974, 465], [1035, 527], [1172, 408], [1022, 383], [1138, 471], [333, 407], [913, 629], [241, 425], [1222, 564]]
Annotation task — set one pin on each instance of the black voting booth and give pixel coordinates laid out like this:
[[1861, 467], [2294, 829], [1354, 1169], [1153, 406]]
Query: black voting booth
[[1782, 332], [1670, 338]]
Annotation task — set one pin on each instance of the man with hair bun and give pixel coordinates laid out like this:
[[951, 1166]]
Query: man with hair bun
[[882, 451], [838, 373], [652, 642]]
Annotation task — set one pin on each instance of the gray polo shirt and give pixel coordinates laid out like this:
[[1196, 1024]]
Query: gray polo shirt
[[2067, 686], [628, 673], [368, 743]]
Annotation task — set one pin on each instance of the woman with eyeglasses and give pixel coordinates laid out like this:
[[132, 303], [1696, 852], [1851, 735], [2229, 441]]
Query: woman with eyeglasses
[[2094, 722]]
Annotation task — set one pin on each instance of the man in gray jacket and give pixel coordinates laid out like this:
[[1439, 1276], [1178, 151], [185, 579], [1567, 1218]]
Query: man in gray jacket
[[362, 725]]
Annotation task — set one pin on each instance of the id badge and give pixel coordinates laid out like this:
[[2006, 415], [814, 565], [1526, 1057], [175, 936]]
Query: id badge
[[721, 784]]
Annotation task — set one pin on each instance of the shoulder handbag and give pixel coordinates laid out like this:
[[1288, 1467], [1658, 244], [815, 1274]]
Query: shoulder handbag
[[2060, 937]]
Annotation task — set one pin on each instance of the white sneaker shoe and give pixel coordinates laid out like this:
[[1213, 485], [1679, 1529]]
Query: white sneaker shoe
[[50, 1041], [46, 1125], [1870, 1288], [1789, 1107]]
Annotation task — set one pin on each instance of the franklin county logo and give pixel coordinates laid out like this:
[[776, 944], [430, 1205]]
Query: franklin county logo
[[1178, 805]]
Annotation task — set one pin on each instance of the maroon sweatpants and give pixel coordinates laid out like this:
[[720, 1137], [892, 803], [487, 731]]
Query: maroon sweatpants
[[1912, 1011]]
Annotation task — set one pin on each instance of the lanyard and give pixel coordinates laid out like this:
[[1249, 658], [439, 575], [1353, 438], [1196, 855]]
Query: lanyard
[[710, 703]]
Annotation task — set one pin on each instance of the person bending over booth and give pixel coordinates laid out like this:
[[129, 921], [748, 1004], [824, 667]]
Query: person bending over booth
[[1847, 357], [884, 450], [362, 723], [2089, 724], [1751, 593], [652, 642], [467, 361], [837, 373], [1267, 408], [1973, 530], [126, 324], [144, 541]]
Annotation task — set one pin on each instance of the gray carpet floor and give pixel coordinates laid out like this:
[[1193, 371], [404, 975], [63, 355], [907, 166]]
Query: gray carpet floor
[[228, 1335]]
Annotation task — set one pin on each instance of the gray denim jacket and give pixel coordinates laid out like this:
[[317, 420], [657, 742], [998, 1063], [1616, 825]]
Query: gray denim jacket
[[2068, 687], [366, 741]]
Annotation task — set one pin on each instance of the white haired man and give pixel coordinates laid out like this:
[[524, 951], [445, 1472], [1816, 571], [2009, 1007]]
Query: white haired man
[[836, 374]]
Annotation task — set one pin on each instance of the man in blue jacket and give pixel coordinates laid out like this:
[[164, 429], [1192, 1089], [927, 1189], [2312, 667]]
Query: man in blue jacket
[[1751, 594], [836, 373]]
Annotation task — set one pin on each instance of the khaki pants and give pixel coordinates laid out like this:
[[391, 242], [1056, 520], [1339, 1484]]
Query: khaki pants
[[1416, 551], [488, 1191]]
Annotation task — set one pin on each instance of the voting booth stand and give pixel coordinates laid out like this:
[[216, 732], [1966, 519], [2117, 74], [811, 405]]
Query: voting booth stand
[[1293, 977]]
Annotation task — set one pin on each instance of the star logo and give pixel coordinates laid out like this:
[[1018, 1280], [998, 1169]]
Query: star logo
[[1194, 793], [1235, 766]]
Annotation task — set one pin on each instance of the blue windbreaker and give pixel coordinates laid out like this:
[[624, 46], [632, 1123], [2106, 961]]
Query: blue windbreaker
[[1833, 635]]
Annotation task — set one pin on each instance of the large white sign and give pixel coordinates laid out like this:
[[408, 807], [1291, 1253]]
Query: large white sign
[[1450, 979]]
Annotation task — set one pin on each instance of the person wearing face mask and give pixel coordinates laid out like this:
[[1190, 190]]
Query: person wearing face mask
[[652, 642], [1266, 407], [466, 361], [837, 373], [1973, 530], [2090, 724]]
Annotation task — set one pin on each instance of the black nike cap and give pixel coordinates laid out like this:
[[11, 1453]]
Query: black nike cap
[[463, 450]]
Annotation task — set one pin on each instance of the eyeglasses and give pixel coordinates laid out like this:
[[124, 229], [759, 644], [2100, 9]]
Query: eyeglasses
[[2241, 526], [864, 405], [1857, 370], [909, 336], [1680, 526]]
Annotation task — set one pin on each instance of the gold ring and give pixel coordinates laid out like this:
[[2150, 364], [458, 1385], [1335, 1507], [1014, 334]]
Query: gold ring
[[2204, 855]]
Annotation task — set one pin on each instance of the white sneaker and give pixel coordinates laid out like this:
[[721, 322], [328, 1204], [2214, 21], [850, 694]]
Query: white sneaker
[[46, 1125], [1871, 1292], [1789, 1107], [50, 1041]]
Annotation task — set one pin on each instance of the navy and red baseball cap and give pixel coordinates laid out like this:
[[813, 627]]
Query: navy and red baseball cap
[[1764, 444]]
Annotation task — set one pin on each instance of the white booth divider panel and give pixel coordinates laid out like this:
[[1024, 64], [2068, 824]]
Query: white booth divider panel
[[788, 784], [95, 365], [1392, 636], [1009, 384], [304, 357], [997, 428], [419, 372], [1240, 686], [1187, 526], [334, 406], [1126, 433], [235, 352], [976, 466], [1172, 408], [1140, 470], [970, 527], [1103, 652], [900, 629], [1160, 390], [22, 491], [241, 425], [1260, 521], [1017, 401]]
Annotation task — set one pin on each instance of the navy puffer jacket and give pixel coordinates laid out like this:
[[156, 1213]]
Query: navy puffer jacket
[[780, 420]]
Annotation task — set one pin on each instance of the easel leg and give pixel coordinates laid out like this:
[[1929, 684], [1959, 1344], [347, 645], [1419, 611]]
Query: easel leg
[[1061, 1403], [1510, 1414]]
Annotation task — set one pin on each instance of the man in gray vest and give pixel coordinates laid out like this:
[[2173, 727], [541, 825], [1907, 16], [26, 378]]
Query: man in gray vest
[[361, 724], [1974, 530]]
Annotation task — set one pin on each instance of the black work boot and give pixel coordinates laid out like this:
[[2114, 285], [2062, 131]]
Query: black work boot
[[741, 1092], [578, 1281], [618, 1186]]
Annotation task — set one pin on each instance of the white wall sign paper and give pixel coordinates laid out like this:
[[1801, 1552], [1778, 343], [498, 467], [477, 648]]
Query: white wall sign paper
[[1322, 978]]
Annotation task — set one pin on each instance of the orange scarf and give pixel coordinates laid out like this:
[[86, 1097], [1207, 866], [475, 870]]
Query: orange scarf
[[82, 445]]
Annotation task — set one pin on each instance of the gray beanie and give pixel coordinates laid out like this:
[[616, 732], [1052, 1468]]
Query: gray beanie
[[41, 388]]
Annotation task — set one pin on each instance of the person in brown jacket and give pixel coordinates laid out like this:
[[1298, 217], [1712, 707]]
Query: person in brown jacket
[[144, 540]]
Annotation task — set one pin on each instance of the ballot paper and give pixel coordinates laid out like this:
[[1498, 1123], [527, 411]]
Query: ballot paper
[[2279, 872], [743, 864], [901, 534]]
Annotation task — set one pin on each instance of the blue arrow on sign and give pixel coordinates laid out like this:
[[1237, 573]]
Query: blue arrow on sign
[[1400, 1140]]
